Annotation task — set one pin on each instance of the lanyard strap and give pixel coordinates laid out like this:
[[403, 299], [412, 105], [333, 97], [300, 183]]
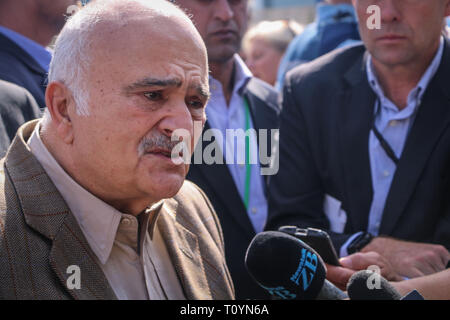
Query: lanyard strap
[[248, 169], [384, 144]]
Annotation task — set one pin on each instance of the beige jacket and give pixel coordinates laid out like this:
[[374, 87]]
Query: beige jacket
[[40, 238]]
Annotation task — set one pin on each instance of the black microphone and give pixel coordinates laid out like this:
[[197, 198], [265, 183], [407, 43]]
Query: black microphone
[[369, 285], [288, 268]]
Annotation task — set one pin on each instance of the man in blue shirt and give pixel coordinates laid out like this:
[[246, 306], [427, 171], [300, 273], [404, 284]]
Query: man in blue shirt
[[364, 141], [239, 102], [335, 26], [26, 28]]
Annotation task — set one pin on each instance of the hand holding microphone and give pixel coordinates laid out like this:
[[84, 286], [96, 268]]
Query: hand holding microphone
[[288, 268], [291, 270]]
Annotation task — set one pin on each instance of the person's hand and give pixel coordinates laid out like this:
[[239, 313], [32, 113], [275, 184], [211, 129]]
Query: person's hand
[[339, 275], [410, 259]]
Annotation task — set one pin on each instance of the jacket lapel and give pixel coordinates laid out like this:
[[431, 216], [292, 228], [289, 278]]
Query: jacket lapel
[[264, 115], [220, 180], [184, 252], [46, 212], [355, 123], [432, 119]]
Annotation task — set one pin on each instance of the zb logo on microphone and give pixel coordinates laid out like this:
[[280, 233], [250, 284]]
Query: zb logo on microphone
[[306, 269]]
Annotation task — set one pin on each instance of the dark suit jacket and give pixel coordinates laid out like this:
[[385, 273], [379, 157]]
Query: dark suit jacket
[[19, 67], [218, 184], [327, 114], [17, 106], [40, 237]]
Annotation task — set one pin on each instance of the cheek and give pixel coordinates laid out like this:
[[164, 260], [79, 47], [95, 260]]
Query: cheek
[[273, 59]]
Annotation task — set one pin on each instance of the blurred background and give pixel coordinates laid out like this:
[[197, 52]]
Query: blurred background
[[301, 11]]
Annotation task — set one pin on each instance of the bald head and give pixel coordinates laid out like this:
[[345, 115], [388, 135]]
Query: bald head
[[105, 25], [126, 74]]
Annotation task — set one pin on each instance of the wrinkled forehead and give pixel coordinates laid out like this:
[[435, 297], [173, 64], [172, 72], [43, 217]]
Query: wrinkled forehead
[[160, 45], [149, 30]]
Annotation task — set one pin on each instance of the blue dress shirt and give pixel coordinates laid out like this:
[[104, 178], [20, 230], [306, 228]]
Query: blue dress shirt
[[40, 54], [394, 125], [232, 117]]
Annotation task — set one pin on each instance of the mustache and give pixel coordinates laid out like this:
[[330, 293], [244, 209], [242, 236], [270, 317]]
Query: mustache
[[228, 25], [391, 28], [156, 143]]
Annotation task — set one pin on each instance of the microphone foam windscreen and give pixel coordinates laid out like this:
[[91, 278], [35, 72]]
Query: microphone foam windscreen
[[368, 285], [285, 266]]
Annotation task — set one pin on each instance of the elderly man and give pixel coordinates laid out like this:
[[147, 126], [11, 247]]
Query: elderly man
[[82, 190], [239, 102], [365, 140]]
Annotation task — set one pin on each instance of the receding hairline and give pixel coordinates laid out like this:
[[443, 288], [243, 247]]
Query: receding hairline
[[159, 16], [76, 44]]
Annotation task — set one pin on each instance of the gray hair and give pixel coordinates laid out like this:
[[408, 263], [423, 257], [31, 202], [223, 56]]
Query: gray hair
[[72, 52]]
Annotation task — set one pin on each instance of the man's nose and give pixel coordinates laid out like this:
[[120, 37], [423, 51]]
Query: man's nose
[[223, 10], [389, 10], [177, 118]]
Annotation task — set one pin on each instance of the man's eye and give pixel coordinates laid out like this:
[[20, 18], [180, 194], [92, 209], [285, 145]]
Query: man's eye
[[154, 95], [195, 104]]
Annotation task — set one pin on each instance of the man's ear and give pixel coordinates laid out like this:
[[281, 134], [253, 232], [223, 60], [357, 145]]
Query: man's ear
[[59, 101]]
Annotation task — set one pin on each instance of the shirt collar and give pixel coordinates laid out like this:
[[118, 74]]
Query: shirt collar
[[242, 75], [98, 220], [40, 54], [416, 93]]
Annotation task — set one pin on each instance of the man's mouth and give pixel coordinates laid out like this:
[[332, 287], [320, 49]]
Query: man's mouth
[[225, 33], [160, 151], [391, 37]]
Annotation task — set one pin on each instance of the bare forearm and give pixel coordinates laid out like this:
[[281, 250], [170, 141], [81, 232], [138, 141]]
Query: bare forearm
[[432, 287], [410, 259]]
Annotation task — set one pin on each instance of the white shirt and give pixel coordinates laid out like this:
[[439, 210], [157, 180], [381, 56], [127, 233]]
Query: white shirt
[[137, 267], [232, 117]]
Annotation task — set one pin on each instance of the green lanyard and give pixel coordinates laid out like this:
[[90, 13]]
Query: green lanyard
[[248, 169]]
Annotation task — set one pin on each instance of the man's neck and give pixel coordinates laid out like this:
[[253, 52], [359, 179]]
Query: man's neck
[[224, 73], [398, 81]]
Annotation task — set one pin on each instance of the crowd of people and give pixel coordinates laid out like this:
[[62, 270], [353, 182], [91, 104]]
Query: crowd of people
[[354, 119]]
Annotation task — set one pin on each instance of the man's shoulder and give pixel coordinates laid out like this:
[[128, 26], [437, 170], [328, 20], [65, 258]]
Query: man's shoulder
[[192, 208], [264, 92], [11, 92], [14, 70], [191, 198], [10, 55], [329, 67]]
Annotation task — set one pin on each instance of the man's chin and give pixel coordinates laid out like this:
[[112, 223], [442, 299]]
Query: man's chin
[[163, 186], [393, 56], [222, 53]]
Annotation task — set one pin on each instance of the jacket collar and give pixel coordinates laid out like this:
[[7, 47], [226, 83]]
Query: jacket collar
[[355, 120], [46, 212]]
